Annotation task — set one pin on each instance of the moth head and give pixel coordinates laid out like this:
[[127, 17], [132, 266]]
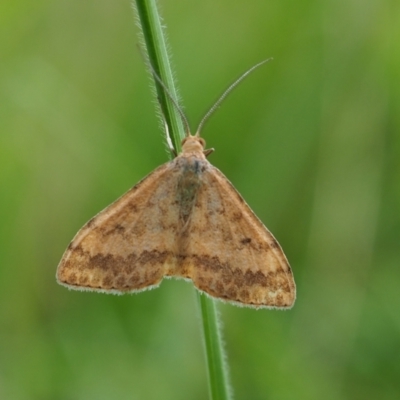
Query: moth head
[[193, 144]]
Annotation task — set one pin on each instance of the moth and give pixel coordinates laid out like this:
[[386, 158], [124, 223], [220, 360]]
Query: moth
[[184, 220]]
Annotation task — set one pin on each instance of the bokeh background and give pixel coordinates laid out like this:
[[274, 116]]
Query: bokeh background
[[311, 140]]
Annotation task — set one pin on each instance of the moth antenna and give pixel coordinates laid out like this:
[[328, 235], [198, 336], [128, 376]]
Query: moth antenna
[[174, 102], [226, 92]]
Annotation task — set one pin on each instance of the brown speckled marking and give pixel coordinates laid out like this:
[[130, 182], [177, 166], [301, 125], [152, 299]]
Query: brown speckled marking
[[118, 228], [184, 220], [274, 244], [91, 222]]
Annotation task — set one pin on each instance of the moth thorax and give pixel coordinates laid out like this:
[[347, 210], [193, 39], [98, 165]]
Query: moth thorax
[[193, 144]]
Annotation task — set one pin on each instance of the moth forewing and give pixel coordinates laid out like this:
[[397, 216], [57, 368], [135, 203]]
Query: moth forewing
[[184, 220]]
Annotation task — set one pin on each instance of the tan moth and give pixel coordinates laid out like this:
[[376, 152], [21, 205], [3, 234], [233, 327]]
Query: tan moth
[[184, 220]]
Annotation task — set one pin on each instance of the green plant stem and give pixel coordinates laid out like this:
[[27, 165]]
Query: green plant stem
[[156, 53], [217, 368], [155, 47]]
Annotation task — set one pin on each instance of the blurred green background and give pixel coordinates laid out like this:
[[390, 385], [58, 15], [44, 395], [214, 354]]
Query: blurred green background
[[311, 141]]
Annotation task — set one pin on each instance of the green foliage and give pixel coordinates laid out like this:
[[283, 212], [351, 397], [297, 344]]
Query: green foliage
[[311, 141]]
